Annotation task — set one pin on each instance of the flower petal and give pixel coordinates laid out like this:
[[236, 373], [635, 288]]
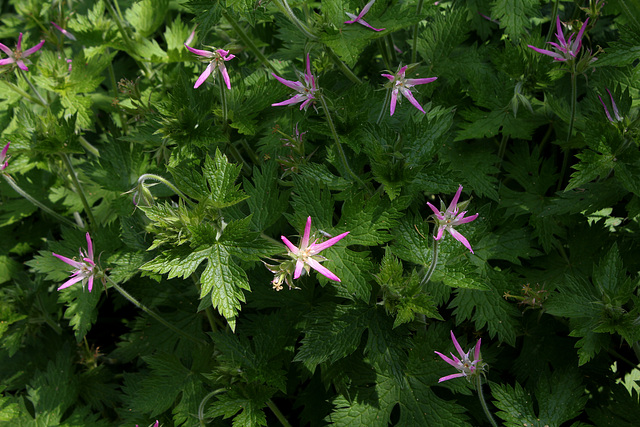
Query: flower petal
[[90, 283], [414, 82], [476, 353], [447, 359], [205, 74], [407, 94], [456, 345], [394, 99], [454, 202], [6, 50], [89, 247], [460, 238], [321, 269], [71, 281], [316, 248], [71, 262], [205, 53], [22, 65], [293, 85], [294, 100], [290, 245], [298, 270], [450, 377], [304, 244], [33, 49], [225, 75]]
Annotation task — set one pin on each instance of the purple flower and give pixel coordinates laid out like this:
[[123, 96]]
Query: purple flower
[[614, 106], [400, 84], [64, 32], [217, 59], [467, 367], [359, 19], [156, 424], [306, 255], [18, 55], [451, 218], [305, 86], [4, 159], [85, 269], [565, 50]]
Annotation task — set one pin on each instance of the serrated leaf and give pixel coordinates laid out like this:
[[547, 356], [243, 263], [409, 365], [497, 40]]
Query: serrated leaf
[[514, 15], [265, 201]]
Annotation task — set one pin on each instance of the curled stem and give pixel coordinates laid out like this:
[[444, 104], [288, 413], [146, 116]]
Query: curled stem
[[284, 6], [432, 266], [204, 402], [152, 313], [37, 203], [166, 182]]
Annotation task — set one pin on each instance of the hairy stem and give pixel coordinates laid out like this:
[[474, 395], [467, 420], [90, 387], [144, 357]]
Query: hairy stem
[[247, 40], [37, 203], [286, 9], [87, 146], [152, 313], [166, 182], [114, 84], [385, 105], [204, 402], [276, 411], [483, 402], [24, 94], [414, 53], [432, 266], [342, 66], [67, 163], [33, 88], [572, 117]]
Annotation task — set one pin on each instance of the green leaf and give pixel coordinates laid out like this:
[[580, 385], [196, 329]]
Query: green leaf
[[266, 202], [221, 176], [146, 16], [81, 310], [249, 403], [514, 15]]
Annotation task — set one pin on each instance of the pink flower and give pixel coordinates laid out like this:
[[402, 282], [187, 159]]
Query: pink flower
[[398, 83], [614, 106], [156, 424], [566, 50], [4, 159], [64, 32], [467, 367], [305, 86], [18, 55], [306, 255], [86, 269], [217, 60], [451, 218], [359, 19]]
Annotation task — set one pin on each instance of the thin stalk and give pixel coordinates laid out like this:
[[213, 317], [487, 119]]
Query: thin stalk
[[502, 149], [24, 194], [383, 51], [87, 146], [343, 67], [117, 17], [552, 26], [414, 53], [247, 40], [152, 313], [24, 94], [483, 402], [79, 190], [284, 6], [47, 318], [388, 41], [432, 267], [250, 152], [385, 105], [565, 159], [33, 88], [210, 318], [334, 133], [166, 182], [204, 402], [545, 138], [223, 100], [277, 413], [114, 84]]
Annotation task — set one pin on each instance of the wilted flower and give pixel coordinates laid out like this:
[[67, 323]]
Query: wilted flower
[[306, 86], [64, 32], [4, 159], [565, 50], [452, 217], [18, 55], [359, 19], [467, 367], [615, 109], [217, 59], [306, 256], [85, 269], [398, 83]]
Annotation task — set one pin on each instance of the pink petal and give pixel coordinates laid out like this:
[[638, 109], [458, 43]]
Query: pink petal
[[204, 75], [298, 98], [70, 282], [456, 345], [549, 53], [298, 271], [613, 104], [436, 212], [90, 283], [4, 151], [71, 262], [460, 238], [579, 37], [304, 244], [204, 53], [6, 50], [19, 45], [394, 99], [293, 85], [89, 247], [446, 359], [440, 232], [363, 22], [33, 49], [316, 248], [389, 76], [450, 377], [22, 65], [559, 33], [225, 75], [366, 8], [309, 75], [467, 219], [414, 82], [476, 354], [353, 17], [305, 103], [402, 70], [606, 111], [290, 245], [7, 61], [322, 270], [407, 94], [454, 202]]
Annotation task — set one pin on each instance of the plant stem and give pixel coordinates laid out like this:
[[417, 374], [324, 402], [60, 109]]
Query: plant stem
[[79, 190], [277, 413], [385, 105], [565, 159], [87, 146], [432, 267], [204, 402], [24, 194], [343, 67], [223, 100], [166, 182], [284, 6], [247, 40], [24, 94], [383, 50], [339, 149], [47, 318], [152, 313], [414, 53], [114, 84], [552, 26], [33, 88], [483, 402]]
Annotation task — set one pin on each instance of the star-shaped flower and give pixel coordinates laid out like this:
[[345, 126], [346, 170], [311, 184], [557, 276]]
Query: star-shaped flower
[[452, 217], [217, 59], [306, 255], [564, 50], [305, 86], [85, 269], [464, 364], [4, 159], [359, 19], [18, 55], [399, 84]]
